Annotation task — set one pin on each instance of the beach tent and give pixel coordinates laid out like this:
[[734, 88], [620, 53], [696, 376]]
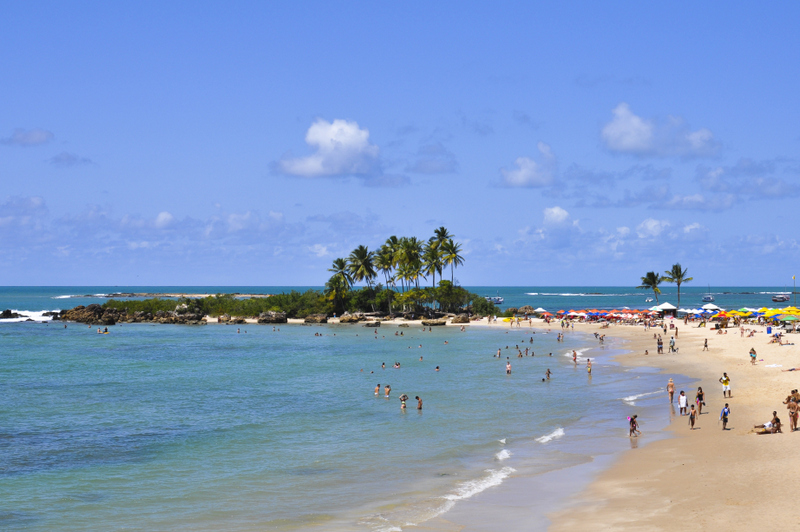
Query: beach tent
[[711, 306], [667, 306], [540, 309]]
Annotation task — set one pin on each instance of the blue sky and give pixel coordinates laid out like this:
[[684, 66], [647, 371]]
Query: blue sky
[[254, 142]]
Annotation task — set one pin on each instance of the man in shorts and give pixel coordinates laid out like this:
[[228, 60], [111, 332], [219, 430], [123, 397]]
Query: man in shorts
[[726, 385]]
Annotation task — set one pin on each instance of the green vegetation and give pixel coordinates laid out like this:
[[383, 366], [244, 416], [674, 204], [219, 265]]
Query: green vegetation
[[400, 261], [650, 282], [677, 275]]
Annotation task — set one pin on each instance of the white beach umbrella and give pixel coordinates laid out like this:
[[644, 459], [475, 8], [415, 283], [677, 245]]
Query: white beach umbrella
[[540, 309], [667, 306], [711, 306]]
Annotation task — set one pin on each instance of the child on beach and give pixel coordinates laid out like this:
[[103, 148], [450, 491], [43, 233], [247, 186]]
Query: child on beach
[[692, 417], [726, 411], [753, 356]]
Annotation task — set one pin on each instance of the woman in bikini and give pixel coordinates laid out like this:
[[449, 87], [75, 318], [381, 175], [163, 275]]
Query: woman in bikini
[[700, 400]]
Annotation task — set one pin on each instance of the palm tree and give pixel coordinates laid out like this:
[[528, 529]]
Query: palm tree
[[432, 260], [384, 261], [678, 276], [441, 236], [452, 256], [361, 265], [340, 282], [651, 282]]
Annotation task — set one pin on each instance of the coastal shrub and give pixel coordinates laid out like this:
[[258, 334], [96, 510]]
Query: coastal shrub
[[482, 307]]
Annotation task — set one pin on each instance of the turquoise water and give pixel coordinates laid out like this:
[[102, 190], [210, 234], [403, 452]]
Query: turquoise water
[[201, 428]]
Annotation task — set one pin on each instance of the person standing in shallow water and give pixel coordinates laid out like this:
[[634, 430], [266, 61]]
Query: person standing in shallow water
[[419, 403], [508, 367], [671, 389], [634, 425]]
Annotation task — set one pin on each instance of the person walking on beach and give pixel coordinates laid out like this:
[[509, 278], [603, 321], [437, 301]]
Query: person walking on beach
[[634, 431], [726, 411], [672, 344], [753, 356], [670, 390], [692, 417], [705, 344], [700, 400], [726, 385], [792, 406], [682, 403]]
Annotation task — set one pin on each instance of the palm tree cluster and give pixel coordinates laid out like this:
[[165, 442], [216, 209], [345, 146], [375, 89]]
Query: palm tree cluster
[[402, 261], [675, 275]]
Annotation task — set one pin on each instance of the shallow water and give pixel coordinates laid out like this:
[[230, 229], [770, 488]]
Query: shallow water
[[201, 428]]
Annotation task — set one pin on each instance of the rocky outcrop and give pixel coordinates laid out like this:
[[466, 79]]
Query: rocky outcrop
[[434, 323], [372, 324], [316, 318], [461, 318], [8, 315], [351, 318], [224, 318], [97, 315], [272, 317], [527, 309]]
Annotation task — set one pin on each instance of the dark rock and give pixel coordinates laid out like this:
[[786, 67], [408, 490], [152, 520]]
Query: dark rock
[[351, 318], [527, 309], [316, 318], [8, 315], [272, 317], [372, 324], [461, 318], [433, 323]]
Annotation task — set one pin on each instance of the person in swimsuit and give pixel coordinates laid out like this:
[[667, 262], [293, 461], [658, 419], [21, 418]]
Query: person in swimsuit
[[508, 368], [574, 357], [699, 400], [387, 389], [682, 403], [419, 403], [377, 389], [692, 416], [589, 366], [634, 431], [753, 356], [671, 390], [547, 373], [705, 345]]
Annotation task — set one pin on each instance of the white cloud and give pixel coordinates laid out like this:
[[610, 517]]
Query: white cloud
[[651, 228], [629, 133], [691, 227], [66, 160], [163, 220], [29, 137], [530, 173], [623, 231], [319, 250], [555, 216], [342, 148]]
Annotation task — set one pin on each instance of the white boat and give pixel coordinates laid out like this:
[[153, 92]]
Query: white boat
[[780, 298], [648, 300], [497, 300], [708, 298]]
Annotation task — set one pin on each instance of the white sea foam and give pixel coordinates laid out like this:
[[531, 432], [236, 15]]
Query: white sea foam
[[503, 441], [579, 351], [552, 436], [61, 297], [502, 455], [35, 315], [631, 399], [465, 490]]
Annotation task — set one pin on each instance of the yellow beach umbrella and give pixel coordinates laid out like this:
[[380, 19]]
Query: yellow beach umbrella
[[763, 309]]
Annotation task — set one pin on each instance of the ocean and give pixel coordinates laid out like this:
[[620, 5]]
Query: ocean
[[169, 427]]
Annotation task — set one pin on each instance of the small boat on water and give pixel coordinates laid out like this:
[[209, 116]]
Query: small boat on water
[[648, 300], [780, 298], [497, 300], [708, 298]]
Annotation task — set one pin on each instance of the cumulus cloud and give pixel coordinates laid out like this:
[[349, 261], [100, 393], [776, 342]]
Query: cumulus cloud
[[342, 148], [319, 250], [530, 173], [651, 228], [163, 220], [66, 160], [28, 137], [555, 216], [632, 134]]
